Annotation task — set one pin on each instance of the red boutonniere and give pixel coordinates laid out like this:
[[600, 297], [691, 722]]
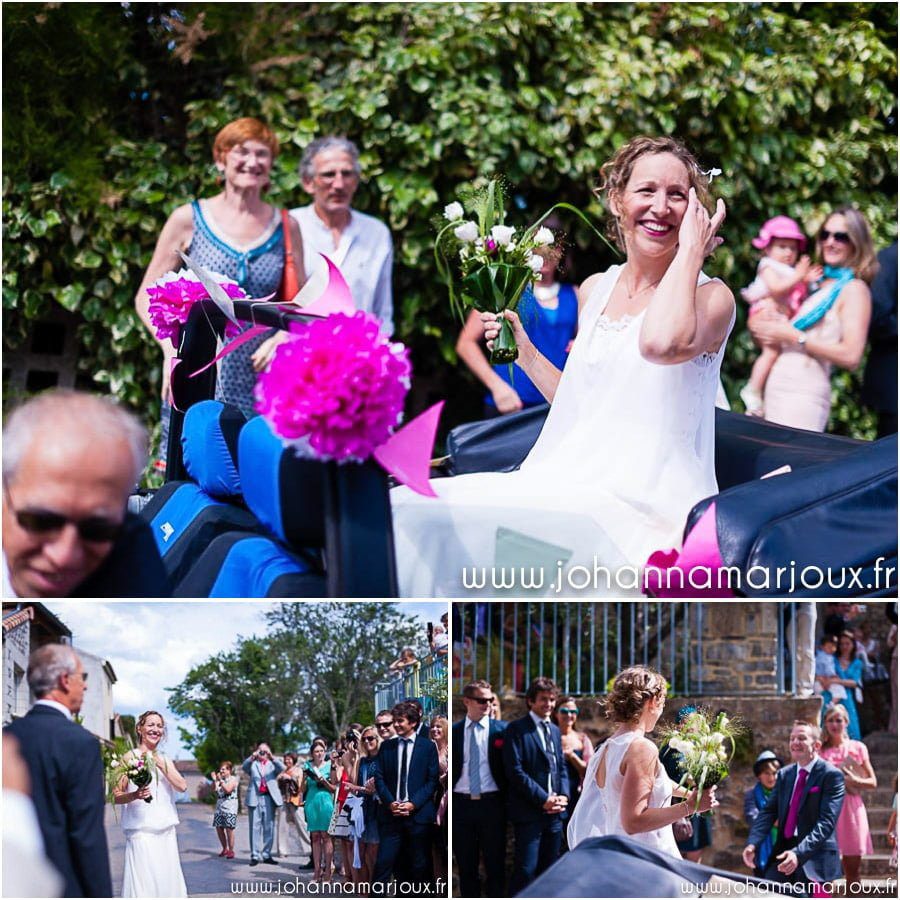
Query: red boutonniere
[[498, 742]]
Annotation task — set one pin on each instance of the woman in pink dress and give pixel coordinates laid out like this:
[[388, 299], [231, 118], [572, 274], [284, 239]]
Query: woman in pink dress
[[829, 329], [852, 758]]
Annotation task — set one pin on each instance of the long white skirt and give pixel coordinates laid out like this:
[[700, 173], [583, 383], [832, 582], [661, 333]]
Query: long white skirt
[[153, 865]]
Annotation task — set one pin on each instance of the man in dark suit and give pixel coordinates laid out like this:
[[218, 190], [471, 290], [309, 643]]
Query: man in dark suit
[[66, 772], [406, 778], [806, 802], [538, 784], [880, 380], [479, 795]]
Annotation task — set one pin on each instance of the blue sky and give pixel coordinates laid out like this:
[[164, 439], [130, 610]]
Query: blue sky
[[152, 645]]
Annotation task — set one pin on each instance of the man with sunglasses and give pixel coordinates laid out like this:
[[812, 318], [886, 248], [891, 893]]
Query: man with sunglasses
[[70, 460], [479, 795], [66, 772], [384, 724]]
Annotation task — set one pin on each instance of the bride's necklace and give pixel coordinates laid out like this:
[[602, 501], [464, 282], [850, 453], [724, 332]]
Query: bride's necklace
[[631, 293]]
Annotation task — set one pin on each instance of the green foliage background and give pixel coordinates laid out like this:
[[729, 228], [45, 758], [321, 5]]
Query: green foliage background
[[111, 111]]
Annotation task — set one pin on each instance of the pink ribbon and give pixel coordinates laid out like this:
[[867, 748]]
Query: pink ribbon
[[231, 346], [406, 454], [667, 572]]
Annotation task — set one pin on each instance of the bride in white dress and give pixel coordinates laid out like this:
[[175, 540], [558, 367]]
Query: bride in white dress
[[152, 862], [628, 446], [626, 789]]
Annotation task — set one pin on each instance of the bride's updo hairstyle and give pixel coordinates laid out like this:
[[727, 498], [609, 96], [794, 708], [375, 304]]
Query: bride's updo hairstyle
[[632, 688], [614, 174], [143, 718]]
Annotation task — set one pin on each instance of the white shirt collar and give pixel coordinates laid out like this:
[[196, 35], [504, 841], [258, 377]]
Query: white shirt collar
[[53, 704], [410, 737], [9, 592], [809, 765], [538, 720], [484, 721]]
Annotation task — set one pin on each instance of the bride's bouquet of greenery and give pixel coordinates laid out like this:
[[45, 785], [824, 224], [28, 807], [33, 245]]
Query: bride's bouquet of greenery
[[706, 745], [495, 261], [138, 768]]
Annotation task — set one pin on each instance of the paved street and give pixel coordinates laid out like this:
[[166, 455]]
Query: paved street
[[206, 874]]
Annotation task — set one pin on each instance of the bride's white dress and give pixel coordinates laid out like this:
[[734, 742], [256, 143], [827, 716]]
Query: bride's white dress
[[627, 449], [598, 811], [152, 861]]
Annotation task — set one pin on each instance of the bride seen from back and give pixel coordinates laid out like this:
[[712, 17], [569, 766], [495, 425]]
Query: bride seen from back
[[626, 789]]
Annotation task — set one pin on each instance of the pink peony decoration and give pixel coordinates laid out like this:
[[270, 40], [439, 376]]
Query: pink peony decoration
[[338, 384], [173, 295]]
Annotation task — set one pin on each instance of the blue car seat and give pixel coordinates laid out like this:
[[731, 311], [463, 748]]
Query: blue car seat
[[286, 496], [185, 516]]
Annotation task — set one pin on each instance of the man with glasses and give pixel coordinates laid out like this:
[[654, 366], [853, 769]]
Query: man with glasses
[[479, 795], [70, 460], [384, 723], [360, 245], [66, 772]]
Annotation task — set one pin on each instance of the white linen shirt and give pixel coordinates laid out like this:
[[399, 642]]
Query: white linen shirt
[[364, 254]]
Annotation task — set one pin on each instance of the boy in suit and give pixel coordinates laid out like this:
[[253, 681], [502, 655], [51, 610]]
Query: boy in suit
[[479, 794], [406, 779], [806, 803], [538, 783]]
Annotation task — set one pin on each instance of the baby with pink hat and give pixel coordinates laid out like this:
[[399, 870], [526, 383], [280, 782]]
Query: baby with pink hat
[[782, 282]]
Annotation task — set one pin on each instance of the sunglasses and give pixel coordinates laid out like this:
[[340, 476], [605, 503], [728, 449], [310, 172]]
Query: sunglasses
[[840, 236], [94, 529], [568, 711], [482, 700], [384, 724], [370, 740]]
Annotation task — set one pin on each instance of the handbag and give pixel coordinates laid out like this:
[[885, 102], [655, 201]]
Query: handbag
[[290, 283], [683, 830]]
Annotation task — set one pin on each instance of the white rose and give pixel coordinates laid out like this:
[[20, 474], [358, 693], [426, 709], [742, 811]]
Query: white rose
[[467, 232], [536, 264], [502, 234], [453, 211], [543, 237]]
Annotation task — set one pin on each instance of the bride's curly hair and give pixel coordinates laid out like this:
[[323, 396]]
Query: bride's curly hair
[[146, 715], [615, 172], [632, 688]]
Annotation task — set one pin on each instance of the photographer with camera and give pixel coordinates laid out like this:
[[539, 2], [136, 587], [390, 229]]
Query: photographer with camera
[[263, 798], [346, 764], [292, 837], [225, 786], [317, 788]]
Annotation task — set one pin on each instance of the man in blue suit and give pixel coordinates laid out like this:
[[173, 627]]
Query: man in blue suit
[[479, 795], [406, 778], [538, 784], [66, 772], [262, 801], [806, 802]]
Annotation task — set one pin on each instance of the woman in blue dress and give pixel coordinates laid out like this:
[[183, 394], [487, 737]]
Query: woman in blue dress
[[849, 670], [549, 312], [236, 234]]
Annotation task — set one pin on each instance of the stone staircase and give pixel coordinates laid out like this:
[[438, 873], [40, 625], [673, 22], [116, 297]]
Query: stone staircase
[[882, 748]]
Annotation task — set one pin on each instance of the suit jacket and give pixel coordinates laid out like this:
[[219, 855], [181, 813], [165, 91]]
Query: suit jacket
[[527, 770], [67, 790], [496, 730], [880, 380], [422, 778], [820, 805], [251, 767]]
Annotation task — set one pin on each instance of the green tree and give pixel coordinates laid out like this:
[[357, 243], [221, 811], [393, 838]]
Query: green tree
[[795, 102], [334, 653]]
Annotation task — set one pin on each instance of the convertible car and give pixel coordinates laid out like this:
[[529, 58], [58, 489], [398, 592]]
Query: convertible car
[[240, 516]]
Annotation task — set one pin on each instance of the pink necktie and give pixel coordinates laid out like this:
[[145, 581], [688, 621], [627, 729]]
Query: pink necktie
[[790, 823]]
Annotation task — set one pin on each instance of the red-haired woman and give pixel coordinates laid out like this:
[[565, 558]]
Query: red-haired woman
[[235, 233]]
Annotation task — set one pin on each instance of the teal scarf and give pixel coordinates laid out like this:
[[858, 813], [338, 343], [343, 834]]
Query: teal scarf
[[842, 277]]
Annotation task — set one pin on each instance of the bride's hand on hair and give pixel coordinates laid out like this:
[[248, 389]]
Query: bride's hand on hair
[[698, 230]]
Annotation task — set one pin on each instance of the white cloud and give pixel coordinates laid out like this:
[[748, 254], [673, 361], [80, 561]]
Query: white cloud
[[152, 645]]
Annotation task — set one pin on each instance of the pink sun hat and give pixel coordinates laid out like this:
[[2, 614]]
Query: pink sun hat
[[780, 227]]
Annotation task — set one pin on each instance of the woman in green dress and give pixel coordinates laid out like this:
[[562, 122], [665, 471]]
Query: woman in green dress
[[317, 788]]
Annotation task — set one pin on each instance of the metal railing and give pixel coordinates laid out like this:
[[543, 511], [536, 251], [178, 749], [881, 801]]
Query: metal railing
[[418, 682], [581, 646]]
